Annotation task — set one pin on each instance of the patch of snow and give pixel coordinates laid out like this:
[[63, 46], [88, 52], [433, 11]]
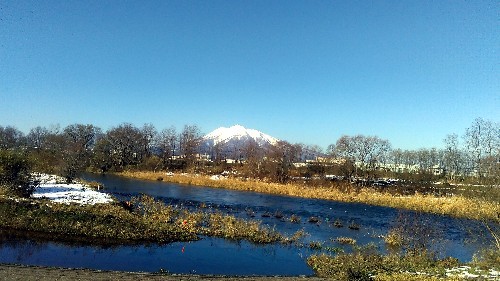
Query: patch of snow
[[46, 178], [494, 273], [217, 177], [465, 272], [52, 189]]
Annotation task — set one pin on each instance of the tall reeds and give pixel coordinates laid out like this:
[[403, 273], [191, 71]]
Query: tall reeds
[[456, 206]]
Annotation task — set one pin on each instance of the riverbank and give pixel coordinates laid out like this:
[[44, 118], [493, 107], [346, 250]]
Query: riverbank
[[76, 210], [456, 206], [37, 273], [157, 222]]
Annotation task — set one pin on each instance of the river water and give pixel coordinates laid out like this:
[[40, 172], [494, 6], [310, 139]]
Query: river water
[[218, 256]]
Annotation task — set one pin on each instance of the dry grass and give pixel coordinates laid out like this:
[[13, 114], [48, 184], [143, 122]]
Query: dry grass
[[456, 206], [414, 277], [229, 227], [364, 265]]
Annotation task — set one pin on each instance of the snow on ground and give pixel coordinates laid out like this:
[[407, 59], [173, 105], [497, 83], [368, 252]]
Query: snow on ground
[[53, 188], [465, 272]]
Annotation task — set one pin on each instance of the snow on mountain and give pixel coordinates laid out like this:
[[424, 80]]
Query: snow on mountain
[[240, 134]]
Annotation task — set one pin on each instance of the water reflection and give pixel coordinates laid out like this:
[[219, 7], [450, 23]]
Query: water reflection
[[19, 250], [207, 256]]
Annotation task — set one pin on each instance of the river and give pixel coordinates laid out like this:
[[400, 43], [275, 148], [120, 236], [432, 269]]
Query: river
[[218, 256]]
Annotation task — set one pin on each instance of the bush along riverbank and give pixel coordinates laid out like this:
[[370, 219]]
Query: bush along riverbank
[[367, 264], [411, 255], [457, 206]]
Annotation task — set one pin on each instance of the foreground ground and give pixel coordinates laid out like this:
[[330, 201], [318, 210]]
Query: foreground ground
[[17, 272]]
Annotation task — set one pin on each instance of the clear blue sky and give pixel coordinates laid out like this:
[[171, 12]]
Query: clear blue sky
[[303, 71]]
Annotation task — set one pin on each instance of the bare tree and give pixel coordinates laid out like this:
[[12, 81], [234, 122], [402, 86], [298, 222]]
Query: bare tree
[[79, 141], [252, 154], [167, 143], [482, 141], [149, 134], [397, 159], [82, 137], [10, 137], [364, 151], [37, 137], [190, 140], [123, 145], [453, 157], [310, 152], [279, 160], [218, 152], [50, 155]]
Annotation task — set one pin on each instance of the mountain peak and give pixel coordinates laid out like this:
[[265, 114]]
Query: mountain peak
[[239, 133]]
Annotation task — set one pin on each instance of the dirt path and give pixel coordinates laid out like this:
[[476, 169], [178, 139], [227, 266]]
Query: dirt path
[[35, 273]]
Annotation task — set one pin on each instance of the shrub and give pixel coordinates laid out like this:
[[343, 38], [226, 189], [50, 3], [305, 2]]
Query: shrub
[[414, 233], [487, 259], [296, 237], [394, 238], [354, 226], [365, 264], [345, 240], [313, 220], [295, 219], [149, 207], [15, 173], [315, 245], [338, 223], [355, 266], [229, 227]]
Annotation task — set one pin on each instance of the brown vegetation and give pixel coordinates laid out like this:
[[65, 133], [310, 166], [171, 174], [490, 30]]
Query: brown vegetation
[[141, 219], [456, 206]]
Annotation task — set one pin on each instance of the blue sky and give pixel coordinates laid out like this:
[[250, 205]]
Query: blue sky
[[303, 71]]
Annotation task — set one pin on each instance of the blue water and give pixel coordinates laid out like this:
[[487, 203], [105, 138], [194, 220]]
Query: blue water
[[207, 256], [218, 256]]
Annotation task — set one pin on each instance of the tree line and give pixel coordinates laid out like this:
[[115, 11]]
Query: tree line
[[474, 155], [78, 147]]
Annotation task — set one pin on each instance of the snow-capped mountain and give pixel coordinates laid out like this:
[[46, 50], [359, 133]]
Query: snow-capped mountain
[[238, 134]]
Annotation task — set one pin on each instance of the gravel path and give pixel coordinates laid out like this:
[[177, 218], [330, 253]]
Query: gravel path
[[35, 273]]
